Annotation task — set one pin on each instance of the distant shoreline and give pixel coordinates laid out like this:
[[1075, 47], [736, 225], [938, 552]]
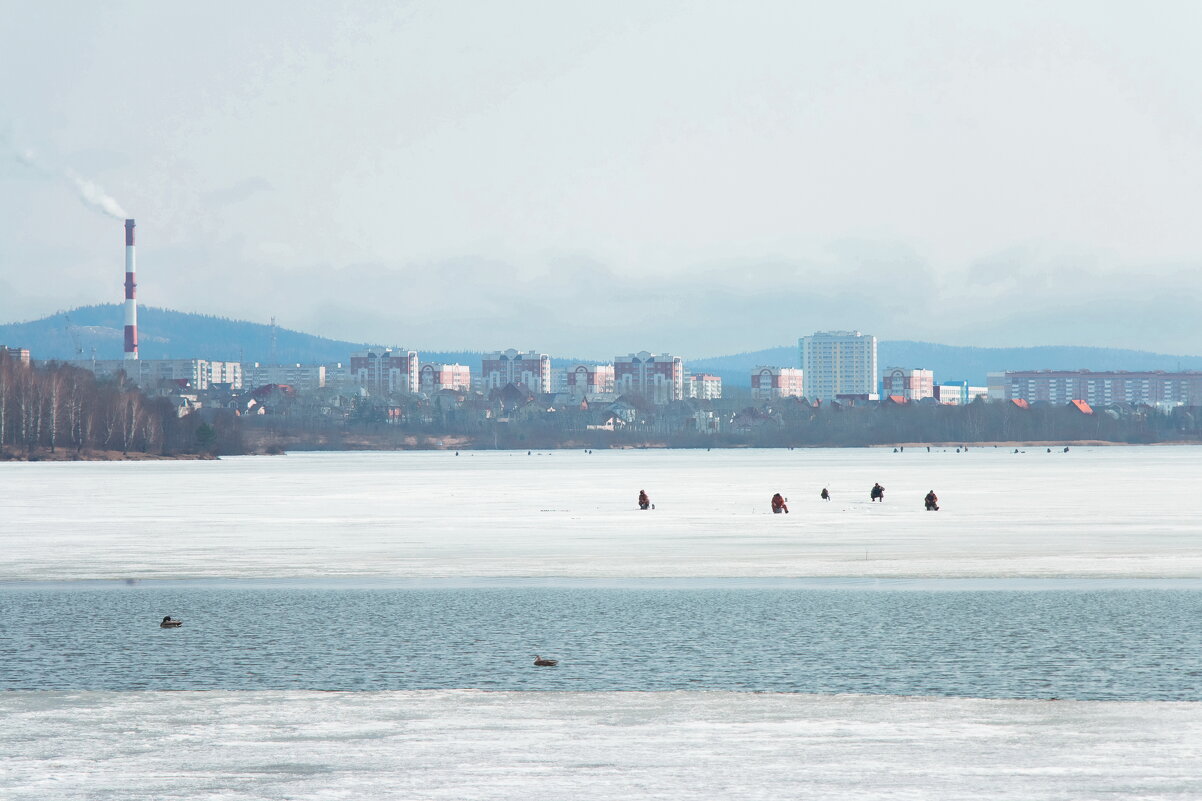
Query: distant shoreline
[[69, 455], [467, 445], [1019, 443]]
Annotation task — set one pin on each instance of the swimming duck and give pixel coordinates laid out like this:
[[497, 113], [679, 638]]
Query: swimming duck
[[168, 623], [540, 662]]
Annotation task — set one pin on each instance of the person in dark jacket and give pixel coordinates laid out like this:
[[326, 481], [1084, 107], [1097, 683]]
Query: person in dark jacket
[[931, 501], [877, 493], [826, 496], [644, 501]]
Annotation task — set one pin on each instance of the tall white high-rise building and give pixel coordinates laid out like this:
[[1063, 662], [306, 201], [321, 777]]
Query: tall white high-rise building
[[838, 363]]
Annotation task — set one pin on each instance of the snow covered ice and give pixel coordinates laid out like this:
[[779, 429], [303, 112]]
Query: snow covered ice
[[1122, 512], [465, 744], [1118, 511]]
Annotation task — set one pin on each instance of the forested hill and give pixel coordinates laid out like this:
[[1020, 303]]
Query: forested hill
[[170, 334], [954, 363], [166, 334]]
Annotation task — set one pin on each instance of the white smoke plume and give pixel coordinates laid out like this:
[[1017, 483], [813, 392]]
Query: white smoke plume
[[95, 197], [90, 193]]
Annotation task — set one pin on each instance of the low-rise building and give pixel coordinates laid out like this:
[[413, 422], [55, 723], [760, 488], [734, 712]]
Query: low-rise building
[[769, 383], [435, 376], [304, 377], [18, 355], [909, 383], [199, 374], [339, 378], [588, 380], [952, 393], [997, 386], [1154, 388], [704, 386], [959, 393]]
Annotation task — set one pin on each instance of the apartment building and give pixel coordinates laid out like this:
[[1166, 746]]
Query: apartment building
[[659, 378], [839, 363]]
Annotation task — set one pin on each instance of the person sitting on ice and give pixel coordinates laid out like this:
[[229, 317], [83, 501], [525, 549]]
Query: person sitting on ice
[[931, 501], [825, 495], [877, 494], [778, 504], [644, 501]]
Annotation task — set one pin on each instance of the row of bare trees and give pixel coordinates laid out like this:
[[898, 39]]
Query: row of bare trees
[[53, 407]]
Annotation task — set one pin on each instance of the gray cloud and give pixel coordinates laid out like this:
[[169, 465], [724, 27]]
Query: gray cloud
[[698, 178]]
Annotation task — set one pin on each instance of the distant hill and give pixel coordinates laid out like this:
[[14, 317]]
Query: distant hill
[[955, 363], [167, 334]]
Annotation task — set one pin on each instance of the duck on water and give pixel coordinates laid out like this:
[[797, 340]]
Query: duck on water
[[540, 662], [169, 623]]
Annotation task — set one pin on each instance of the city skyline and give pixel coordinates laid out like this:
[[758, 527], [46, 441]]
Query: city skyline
[[1016, 175]]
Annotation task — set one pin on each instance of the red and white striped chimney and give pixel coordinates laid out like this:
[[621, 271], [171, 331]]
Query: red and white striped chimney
[[131, 305]]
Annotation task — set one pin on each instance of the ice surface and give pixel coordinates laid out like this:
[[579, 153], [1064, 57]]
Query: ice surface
[[477, 745], [1104, 512], [1119, 511]]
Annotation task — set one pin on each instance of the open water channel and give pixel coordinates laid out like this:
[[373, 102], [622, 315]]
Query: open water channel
[[1086, 640]]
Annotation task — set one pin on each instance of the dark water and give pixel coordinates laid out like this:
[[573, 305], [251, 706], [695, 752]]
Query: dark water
[[1105, 644]]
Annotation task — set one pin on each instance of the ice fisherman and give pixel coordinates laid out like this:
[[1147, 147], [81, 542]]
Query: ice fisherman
[[932, 501], [877, 493], [778, 504]]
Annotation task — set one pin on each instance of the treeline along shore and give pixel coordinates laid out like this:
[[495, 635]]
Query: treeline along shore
[[58, 412], [782, 424]]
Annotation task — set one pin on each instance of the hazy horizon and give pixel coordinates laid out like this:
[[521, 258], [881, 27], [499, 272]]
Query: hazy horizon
[[623, 177]]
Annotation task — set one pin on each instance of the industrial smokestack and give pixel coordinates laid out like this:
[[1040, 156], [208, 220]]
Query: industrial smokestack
[[131, 305]]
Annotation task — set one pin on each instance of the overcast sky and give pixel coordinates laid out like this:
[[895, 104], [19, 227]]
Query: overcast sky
[[594, 178]]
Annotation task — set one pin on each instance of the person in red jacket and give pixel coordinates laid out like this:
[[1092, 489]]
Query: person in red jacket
[[644, 501], [778, 504]]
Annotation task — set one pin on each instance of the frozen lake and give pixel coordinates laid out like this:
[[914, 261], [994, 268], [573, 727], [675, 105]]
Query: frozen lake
[[456, 744], [1118, 511], [1042, 528]]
